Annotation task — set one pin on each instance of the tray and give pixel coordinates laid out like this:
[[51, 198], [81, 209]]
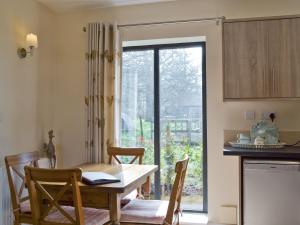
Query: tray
[[250, 145]]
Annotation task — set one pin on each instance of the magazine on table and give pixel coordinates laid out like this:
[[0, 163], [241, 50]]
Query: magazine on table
[[96, 178]]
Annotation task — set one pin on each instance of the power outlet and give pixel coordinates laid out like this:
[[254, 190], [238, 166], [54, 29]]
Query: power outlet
[[249, 115], [266, 115]]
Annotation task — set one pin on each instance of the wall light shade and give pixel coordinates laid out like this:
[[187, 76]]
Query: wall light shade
[[32, 42]]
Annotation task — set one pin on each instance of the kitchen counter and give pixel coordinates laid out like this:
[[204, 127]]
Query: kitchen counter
[[282, 153], [263, 155]]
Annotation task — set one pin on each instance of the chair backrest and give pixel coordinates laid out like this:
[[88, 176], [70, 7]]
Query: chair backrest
[[137, 153], [15, 169], [175, 198], [37, 179]]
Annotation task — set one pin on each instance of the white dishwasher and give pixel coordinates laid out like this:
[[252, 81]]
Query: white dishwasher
[[271, 192]]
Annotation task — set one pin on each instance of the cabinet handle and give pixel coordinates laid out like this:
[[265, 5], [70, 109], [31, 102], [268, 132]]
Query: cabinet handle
[[273, 79], [265, 85]]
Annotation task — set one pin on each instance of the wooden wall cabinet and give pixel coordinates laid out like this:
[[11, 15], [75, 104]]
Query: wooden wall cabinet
[[261, 58]]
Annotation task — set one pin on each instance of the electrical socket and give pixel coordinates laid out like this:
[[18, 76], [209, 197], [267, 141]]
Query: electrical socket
[[249, 115], [266, 115]]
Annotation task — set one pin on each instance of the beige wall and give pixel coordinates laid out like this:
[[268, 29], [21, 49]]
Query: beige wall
[[25, 84], [69, 85]]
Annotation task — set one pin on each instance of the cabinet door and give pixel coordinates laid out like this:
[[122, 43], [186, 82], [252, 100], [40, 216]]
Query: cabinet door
[[245, 60], [284, 57], [294, 26]]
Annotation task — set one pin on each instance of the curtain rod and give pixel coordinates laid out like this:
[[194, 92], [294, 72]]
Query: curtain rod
[[172, 22], [169, 22]]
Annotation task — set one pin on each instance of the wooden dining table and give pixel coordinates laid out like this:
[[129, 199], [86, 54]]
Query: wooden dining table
[[108, 196]]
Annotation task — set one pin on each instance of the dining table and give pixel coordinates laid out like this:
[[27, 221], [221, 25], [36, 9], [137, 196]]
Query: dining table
[[108, 196]]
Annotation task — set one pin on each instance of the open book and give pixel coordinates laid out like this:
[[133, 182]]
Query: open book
[[94, 178]]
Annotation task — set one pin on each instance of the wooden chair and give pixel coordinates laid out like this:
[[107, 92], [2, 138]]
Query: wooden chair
[[154, 211], [17, 185], [53, 213], [137, 155]]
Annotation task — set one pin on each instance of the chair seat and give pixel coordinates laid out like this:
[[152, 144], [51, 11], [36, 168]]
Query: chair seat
[[144, 211], [91, 216], [132, 195], [25, 207]]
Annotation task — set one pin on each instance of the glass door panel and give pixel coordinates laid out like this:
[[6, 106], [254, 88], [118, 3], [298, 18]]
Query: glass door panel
[[138, 102], [181, 121]]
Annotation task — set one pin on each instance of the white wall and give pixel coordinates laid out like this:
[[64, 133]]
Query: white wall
[[25, 84], [69, 85]]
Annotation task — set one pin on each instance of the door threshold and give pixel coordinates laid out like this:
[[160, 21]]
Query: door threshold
[[189, 218]]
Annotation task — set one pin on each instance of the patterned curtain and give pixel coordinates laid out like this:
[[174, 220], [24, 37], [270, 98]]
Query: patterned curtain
[[103, 90]]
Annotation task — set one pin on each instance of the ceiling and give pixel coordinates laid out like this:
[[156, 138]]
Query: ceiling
[[67, 5]]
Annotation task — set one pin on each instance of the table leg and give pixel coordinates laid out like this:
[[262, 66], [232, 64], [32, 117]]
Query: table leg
[[115, 208], [147, 188]]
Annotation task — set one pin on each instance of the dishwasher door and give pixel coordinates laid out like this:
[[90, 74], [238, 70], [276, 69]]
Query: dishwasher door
[[271, 192]]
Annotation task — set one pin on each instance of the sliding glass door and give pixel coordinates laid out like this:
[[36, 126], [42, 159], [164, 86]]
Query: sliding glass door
[[164, 110]]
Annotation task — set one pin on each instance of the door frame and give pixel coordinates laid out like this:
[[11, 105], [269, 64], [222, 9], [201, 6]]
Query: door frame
[[156, 49]]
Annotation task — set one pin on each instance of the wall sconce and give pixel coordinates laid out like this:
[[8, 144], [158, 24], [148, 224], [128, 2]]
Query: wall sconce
[[32, 42]]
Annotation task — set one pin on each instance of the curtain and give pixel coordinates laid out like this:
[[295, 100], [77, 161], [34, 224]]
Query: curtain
[[102, 100]]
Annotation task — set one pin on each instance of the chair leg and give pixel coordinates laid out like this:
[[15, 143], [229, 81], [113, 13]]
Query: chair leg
[[177, 219], [140, 195]]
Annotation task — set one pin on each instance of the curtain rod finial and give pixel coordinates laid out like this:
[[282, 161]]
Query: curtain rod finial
[[220, 20], [84, 29]]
